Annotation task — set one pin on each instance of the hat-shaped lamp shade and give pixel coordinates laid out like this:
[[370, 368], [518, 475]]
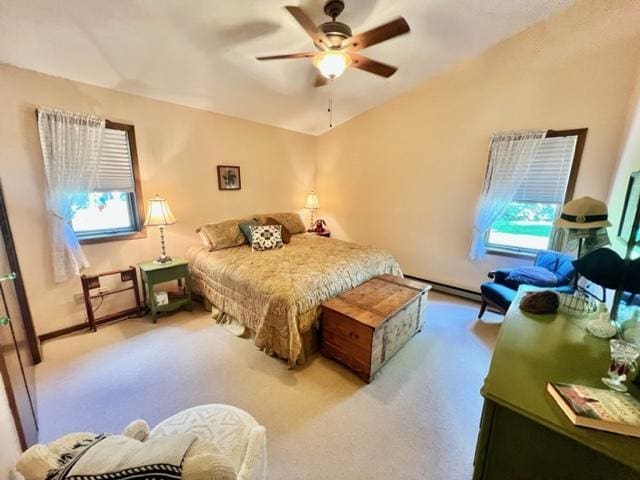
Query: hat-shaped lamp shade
[[158, 215]]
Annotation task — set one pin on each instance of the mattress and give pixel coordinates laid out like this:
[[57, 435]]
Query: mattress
[[277, 293]]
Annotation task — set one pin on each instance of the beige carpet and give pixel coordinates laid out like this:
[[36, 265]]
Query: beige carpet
[[417, 420]]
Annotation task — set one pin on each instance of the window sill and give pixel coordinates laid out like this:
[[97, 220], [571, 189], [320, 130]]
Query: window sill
[[113, 238], [507, 252]]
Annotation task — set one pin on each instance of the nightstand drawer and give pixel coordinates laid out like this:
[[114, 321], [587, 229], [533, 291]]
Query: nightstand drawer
[[168, 274]]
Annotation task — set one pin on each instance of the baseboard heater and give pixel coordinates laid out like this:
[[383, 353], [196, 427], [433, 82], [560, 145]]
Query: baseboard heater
[[450, 289]]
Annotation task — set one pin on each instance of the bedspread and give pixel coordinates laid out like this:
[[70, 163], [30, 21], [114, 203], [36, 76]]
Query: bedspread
[[277, 293]]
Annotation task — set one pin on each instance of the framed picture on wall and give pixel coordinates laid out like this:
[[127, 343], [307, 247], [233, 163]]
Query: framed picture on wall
[[630, 210], [228, 177]]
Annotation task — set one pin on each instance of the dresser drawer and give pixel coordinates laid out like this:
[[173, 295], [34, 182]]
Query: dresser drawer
[[354, 332]]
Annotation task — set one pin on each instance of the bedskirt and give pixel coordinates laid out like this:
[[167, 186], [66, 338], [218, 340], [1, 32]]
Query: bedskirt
[[277, 294]]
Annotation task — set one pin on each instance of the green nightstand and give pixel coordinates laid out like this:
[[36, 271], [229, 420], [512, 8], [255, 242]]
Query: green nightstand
[[155, 273]]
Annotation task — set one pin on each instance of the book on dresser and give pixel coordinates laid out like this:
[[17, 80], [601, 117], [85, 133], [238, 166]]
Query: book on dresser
[[598, 408]]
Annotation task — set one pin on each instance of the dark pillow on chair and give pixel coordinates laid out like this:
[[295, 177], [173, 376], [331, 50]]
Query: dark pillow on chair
[[536, 276], [284, 232]]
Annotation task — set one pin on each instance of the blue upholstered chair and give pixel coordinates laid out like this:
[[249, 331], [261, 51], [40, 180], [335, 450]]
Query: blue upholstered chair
[[498, 294]]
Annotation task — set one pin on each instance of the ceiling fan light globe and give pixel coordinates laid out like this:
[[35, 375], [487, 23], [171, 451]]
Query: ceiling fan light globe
[[332, 63]]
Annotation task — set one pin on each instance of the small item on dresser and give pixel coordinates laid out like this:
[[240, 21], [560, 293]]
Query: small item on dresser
[[576, 304], [601, 326], [623, 361], [598, 408], [540, 302]]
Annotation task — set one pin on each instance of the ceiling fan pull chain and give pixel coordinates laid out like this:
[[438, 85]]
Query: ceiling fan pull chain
[[331, 103]]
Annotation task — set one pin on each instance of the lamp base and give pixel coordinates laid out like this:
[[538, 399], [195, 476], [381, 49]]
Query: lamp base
[[163, 259]]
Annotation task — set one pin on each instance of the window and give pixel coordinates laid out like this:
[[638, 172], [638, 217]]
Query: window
[[526, 224], [114, 210]]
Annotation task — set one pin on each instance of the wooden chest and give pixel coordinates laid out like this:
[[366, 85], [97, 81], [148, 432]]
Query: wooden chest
[[367, 325]]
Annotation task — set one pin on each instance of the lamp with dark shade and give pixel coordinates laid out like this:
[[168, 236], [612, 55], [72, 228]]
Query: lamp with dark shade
[[158, 215]]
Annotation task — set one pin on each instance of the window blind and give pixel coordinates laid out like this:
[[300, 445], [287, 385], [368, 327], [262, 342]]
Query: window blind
[[115, 173], [548, 175]]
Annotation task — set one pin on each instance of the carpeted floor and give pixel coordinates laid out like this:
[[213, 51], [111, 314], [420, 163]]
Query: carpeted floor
[[417, 420]]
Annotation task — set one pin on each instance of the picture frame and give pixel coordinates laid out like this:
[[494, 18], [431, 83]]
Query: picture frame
[[229, 177], [629, 220]]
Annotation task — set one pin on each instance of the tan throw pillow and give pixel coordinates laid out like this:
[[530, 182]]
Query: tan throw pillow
[[290, 220], [224, 234], [284, 231]]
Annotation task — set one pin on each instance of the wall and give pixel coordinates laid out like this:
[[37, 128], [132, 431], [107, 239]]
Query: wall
[[407, 175], [629, 163], [9, 442], [178, 150]]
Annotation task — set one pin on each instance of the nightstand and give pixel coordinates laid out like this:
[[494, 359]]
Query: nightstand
[[326, 233], [153, 273]]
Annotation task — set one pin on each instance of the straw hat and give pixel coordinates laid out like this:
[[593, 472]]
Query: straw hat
[[585, 212]]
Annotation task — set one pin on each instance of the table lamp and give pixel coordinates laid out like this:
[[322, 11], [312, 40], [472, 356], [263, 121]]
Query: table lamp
[[312, 204], [158, 215]]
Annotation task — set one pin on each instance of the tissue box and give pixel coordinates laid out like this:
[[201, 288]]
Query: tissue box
[[162, 298]]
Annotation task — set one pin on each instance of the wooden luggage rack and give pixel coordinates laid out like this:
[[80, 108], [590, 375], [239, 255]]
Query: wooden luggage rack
[[92, 282]]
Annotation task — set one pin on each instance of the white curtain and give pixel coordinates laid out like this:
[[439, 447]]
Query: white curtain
[[71, 145], [510, 154]]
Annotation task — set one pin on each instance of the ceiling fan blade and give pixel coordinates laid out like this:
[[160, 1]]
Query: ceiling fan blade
[[320, 80], [289, 55], [395, 28], [371, 66], [318, 36]]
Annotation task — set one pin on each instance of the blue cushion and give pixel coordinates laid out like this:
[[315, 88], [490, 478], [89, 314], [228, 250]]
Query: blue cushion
[[499, 294], [558, 263], [565, 270], [547, 259], [245, 227], [537, 276]]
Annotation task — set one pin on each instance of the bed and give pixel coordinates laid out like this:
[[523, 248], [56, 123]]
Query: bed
[[276, 294]]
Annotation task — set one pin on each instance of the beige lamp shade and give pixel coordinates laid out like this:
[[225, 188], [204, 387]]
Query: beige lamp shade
[[312, 202], [159, 213]]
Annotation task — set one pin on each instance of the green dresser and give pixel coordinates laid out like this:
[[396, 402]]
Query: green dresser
[[523, 433], [153, 273]]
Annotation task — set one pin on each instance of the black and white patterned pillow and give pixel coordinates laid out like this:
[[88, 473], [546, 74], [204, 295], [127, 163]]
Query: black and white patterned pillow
[[266, 237]]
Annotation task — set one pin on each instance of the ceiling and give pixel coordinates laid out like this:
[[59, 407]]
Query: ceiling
[[201, 53]]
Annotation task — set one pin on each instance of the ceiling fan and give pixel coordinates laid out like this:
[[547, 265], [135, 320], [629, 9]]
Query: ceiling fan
[[337, 47]]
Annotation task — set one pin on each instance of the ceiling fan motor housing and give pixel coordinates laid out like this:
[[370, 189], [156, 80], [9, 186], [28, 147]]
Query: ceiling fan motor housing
[[336, 31]]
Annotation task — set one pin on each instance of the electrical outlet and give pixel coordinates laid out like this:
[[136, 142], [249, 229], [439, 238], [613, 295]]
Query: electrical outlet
[[78, 298]]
